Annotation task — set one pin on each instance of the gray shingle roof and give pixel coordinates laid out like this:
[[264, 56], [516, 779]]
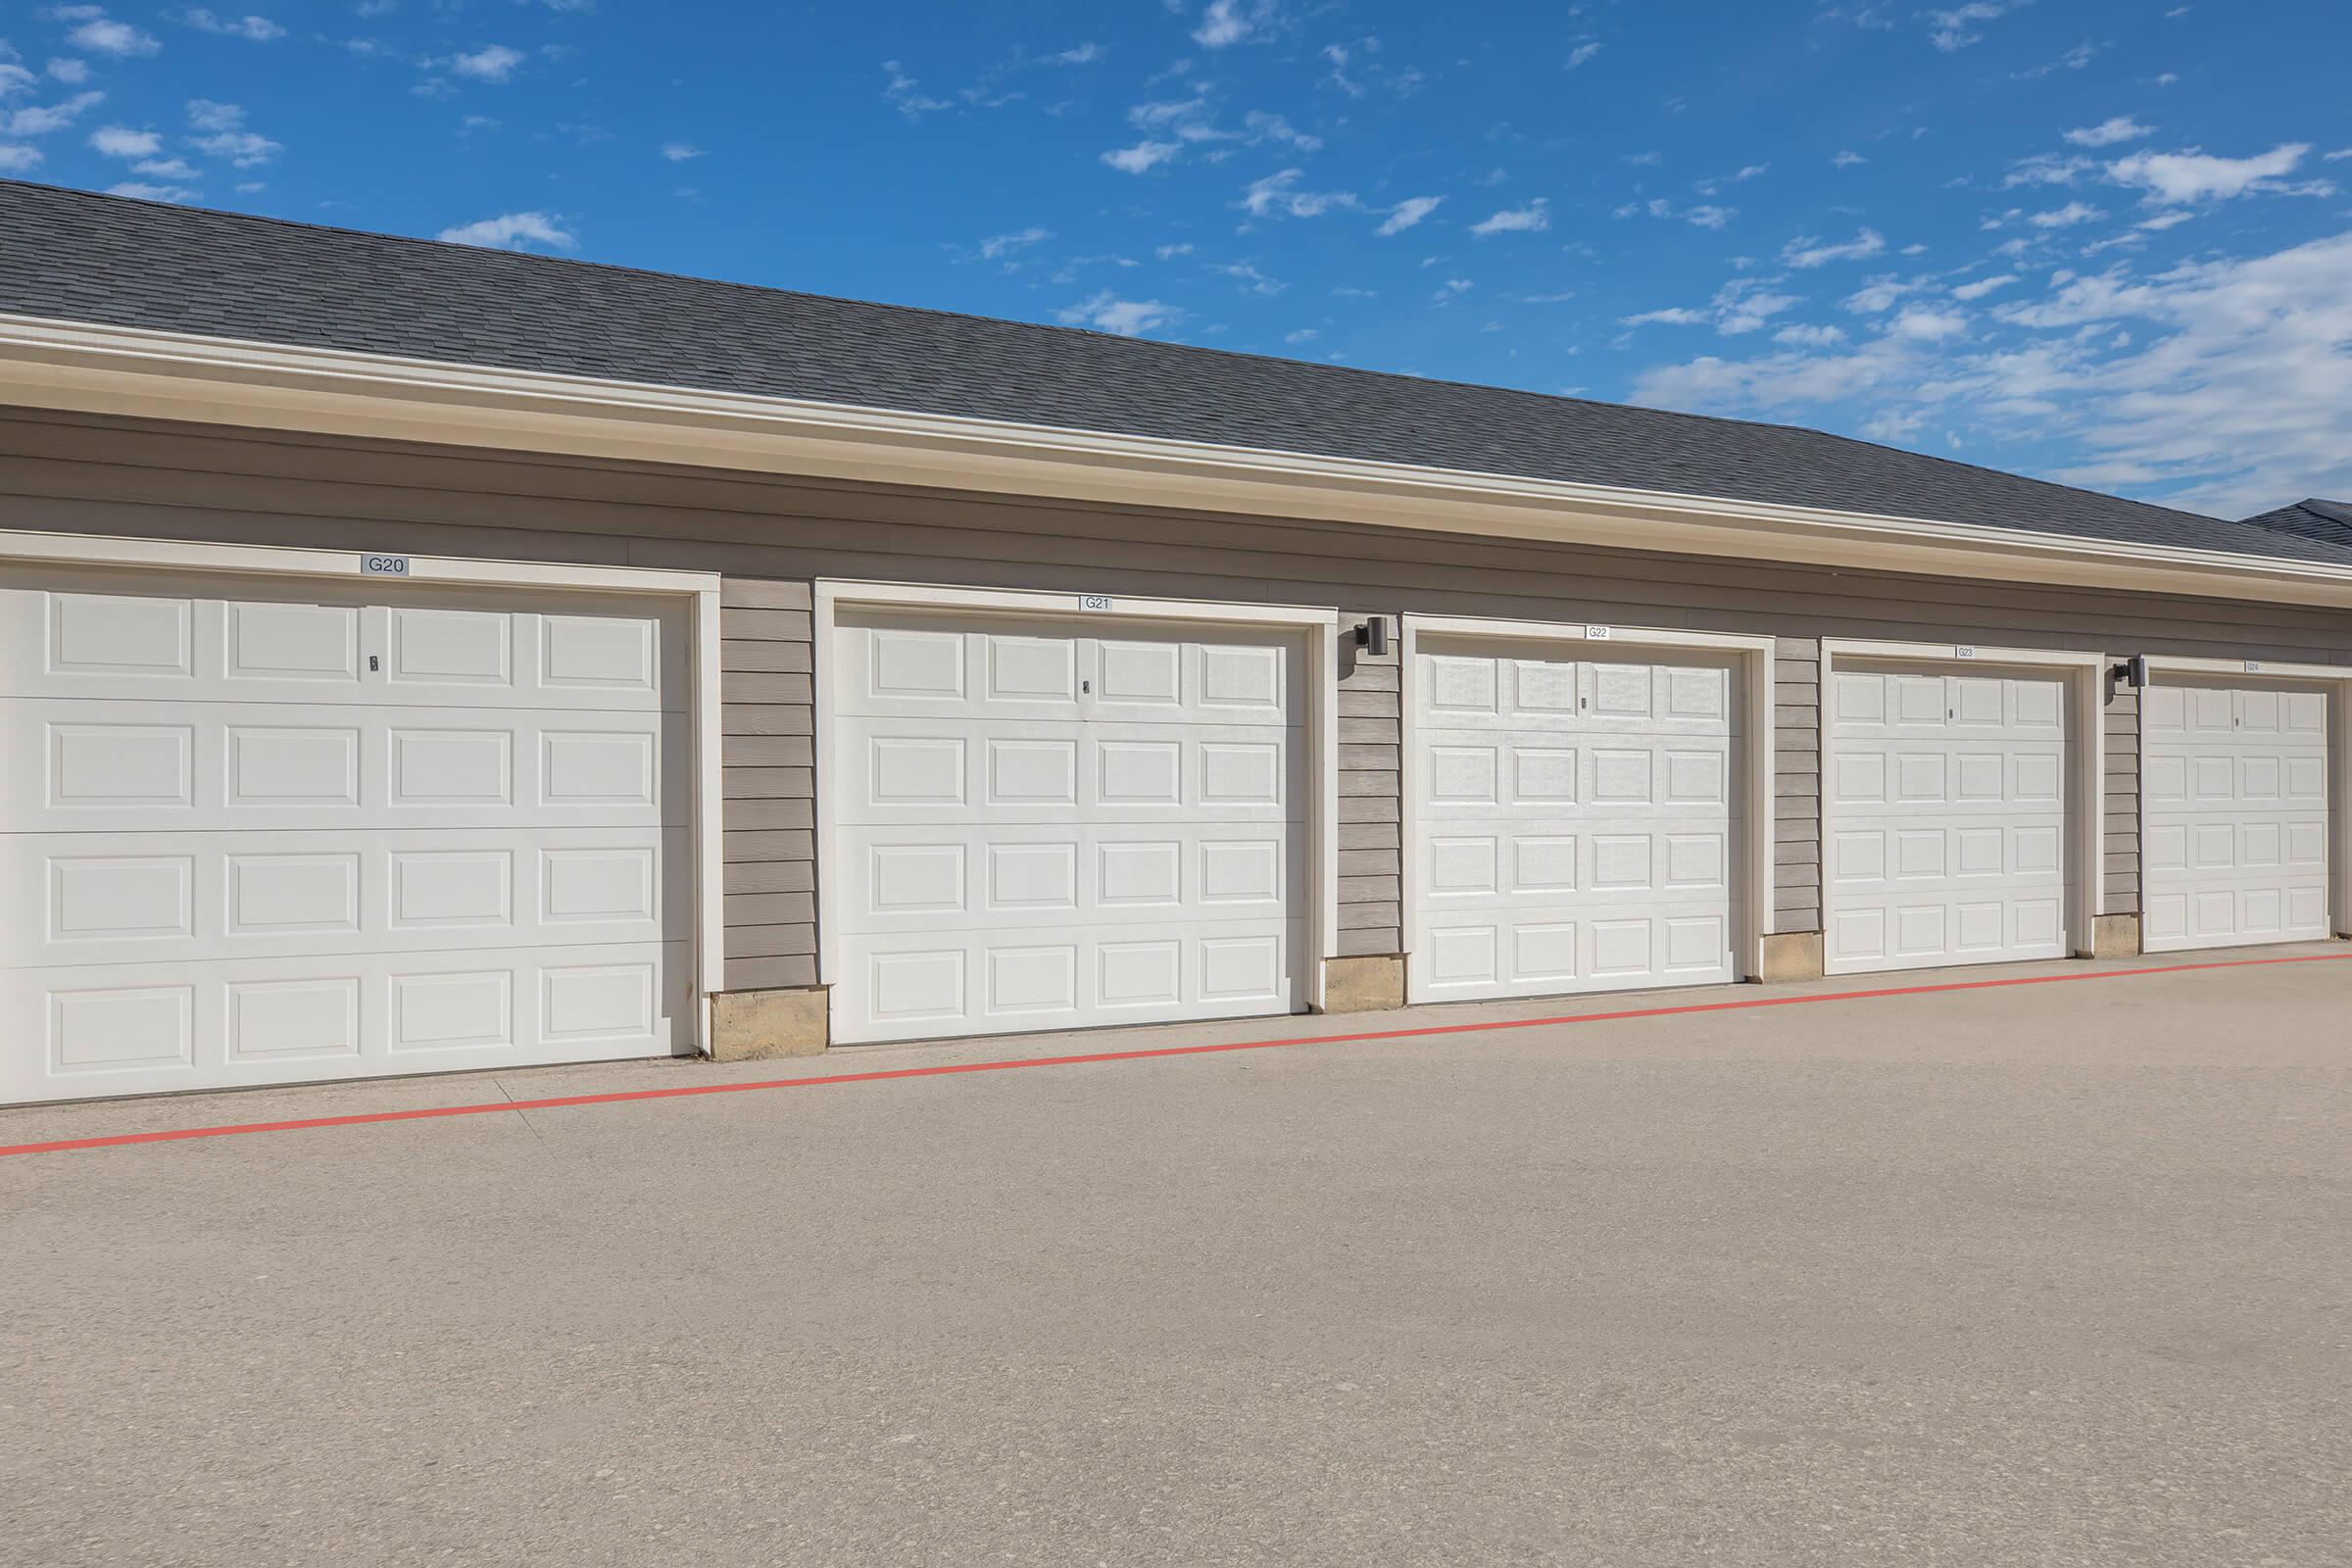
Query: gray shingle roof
[[75, 256], [2329, 522]]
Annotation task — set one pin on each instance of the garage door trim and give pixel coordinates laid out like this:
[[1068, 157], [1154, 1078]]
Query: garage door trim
[[1318, 629], [2339, 752], [2085, 800], [699, 588], [1755, 654]]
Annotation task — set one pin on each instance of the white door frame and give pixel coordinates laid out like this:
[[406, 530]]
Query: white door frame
[[2086, 802], [1318, 629], [700, 589], [2336, 681], [1755, 654]]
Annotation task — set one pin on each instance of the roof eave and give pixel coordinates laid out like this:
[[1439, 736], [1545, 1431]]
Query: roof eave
[[136, 372]]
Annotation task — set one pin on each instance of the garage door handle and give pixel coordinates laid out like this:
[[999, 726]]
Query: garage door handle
[[371, 665]]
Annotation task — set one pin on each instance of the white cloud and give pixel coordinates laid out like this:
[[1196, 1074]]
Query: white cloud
[[678, 152], [1168, 253], [166, 168], [1581, 55], [1673, 315], [1533, 217], [1810, 252], [1277, 196], [1405, 213], [16, 157], [103, 35], [1250, 278], [1001, 245], [43, 119], [139, 191], [69, 71], [1948, 30], [2336, 155], [1263, 126], [2174, 178], [120, 141], [1305, 334], [2216, 385], [2107, 132], [1741, 306], [1983, 286], [1704, 217], [258, 29], [1108, 312], [1751, 171], [15, 79], [1812, 337], [513, 231], [491, 62], [1848, 160], [1879, 294], [1927, 326], [2067, 217], [1144, 155], [1085, 54], [2045, 168], [1454, 288], [906, 93], [1226, 23], [227, 136]]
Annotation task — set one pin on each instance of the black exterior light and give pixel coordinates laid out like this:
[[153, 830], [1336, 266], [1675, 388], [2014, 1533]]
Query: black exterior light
[[1373, 636]]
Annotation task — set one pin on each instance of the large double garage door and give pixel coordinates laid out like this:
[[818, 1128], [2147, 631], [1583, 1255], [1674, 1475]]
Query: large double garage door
[[265, 832]]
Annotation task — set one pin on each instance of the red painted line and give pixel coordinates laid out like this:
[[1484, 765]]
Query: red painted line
[[948, 1069]]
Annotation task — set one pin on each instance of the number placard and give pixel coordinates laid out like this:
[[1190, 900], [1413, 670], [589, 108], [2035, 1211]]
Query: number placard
[[383, 565], [1964, 651], [1600, 634], [1093, 602]]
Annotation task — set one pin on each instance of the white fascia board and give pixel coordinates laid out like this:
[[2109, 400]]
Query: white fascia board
[[2260, 668], [92, 368]]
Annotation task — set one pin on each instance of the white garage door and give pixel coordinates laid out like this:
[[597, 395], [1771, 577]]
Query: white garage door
[[2234, 796], [257, 833], [1040, 828], [1948, 818], [1576, 821]]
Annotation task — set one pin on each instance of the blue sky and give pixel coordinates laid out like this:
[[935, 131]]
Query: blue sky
[[2100, 241]]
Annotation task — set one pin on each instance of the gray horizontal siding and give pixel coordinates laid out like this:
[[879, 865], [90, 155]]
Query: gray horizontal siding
[[771, 537]]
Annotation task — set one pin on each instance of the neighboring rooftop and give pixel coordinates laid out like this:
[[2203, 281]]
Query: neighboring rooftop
[[2329, 521], [75, 256]]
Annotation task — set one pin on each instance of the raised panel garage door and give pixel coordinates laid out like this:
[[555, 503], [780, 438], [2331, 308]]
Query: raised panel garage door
[[1037, 827], [1576, 821], [1948, 818], [254, 832], [2235, 818]]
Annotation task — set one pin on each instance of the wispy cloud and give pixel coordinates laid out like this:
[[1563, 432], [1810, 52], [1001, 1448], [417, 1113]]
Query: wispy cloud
[[224, 134], [2107, 132], [2190, 175], [1810, 252], [256, 30], [492, 63], [904, 94], [1405, 213], [1106, 311], [998, 246], [1279, 195], [1142, 156], [120, 141], [1532, 217], [678, 152], [513, 231], [1581, 55], [101, 34]]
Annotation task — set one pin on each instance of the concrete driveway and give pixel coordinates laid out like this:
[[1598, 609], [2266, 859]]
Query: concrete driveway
[[2035, 1274]]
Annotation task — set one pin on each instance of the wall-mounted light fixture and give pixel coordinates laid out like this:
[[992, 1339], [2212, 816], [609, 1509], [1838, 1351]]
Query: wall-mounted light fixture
[[2133, 672], [1373, 636]]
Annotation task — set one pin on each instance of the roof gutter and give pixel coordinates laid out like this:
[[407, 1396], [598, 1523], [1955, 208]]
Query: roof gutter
[[133, 372]]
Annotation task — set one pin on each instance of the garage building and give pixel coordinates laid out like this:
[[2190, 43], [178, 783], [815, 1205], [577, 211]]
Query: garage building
[[416, 658]]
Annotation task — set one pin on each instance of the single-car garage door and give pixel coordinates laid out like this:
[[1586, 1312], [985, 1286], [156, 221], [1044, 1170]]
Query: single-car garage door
[[1948, 818], [1036, 826], [1576, 820], [258, 832], [2234, 802]]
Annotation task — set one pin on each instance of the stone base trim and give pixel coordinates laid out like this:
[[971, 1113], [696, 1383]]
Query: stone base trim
[[2114, 936], [762, 1025], [1793, 955], [1363, 984]]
